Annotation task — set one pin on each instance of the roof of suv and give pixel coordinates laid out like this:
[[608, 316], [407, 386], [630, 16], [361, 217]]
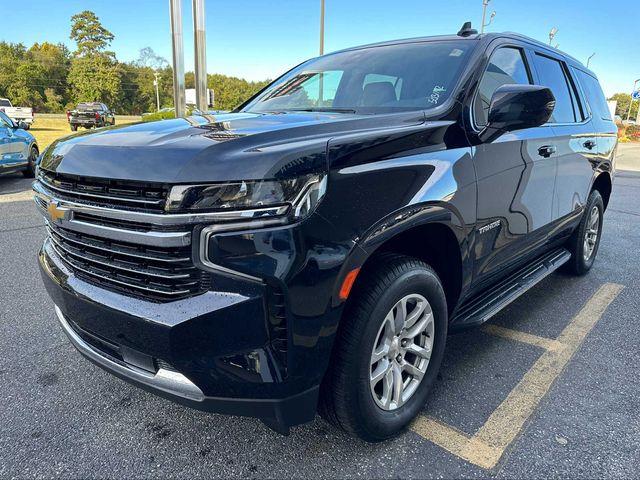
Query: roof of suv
[[472, 37]]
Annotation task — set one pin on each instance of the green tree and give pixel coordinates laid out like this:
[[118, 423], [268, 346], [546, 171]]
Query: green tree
[[53, 101], [622, 107], [95, 79], [89, 34], [230, 92], [95, 74]]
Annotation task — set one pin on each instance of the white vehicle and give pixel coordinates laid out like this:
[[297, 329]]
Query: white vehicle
[[17, 114]]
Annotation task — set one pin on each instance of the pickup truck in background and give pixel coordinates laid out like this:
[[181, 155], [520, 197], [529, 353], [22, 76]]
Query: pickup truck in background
[[90, 114], [17, 114]]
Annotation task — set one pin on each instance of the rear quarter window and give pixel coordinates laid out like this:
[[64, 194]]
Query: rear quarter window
[[595, 96]]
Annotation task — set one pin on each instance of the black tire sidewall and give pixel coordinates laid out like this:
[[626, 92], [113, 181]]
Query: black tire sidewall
[[31, 163], [582, 266], [378, 424]]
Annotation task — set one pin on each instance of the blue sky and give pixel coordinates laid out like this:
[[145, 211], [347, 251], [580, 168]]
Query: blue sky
[[258, 39]]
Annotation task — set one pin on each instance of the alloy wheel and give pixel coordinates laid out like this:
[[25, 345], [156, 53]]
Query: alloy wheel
[[591, 233], [400, 356]]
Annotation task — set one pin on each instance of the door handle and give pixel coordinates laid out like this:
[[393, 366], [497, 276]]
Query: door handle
[[589, 144], [547, 151]]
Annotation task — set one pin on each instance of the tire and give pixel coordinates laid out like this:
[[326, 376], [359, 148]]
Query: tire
[[74, 128], [347, 399], [582, 256], [30, 172]]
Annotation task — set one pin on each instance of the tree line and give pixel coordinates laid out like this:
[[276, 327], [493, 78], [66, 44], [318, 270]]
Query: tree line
[[50, 78]]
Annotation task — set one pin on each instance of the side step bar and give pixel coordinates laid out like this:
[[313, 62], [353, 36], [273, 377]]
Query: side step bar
[[482, 307]]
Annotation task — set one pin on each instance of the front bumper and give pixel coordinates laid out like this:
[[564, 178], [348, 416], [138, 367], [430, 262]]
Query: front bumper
[[210, 352]]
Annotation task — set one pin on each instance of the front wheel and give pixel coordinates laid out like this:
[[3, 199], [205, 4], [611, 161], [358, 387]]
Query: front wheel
[[388, 350], [31, 165], [585, 240]]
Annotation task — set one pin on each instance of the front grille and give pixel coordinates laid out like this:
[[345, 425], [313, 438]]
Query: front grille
[[155, 273], [130, 195]]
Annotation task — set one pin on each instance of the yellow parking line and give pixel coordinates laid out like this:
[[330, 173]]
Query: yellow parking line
[[523, 337], [489, 443], [455, 441], [16, 197]]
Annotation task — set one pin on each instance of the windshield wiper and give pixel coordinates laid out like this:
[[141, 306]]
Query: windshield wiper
[[321, 109]]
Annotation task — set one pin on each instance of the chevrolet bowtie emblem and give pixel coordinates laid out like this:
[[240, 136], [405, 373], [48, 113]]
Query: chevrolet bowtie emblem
[[57, 213]]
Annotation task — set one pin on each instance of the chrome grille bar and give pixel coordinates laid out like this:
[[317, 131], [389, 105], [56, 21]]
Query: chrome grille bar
[[114, 250], [87, 257], [158, 291], [155, 238]]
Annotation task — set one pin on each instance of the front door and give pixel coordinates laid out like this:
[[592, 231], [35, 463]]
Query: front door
[[516, 175]]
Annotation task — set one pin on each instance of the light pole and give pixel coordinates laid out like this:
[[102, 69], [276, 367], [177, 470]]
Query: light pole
[[156, 84], [590, 57], [321, 80], [321, 27], [484, 14], [177, 49], [552, 34], [631, 99], [200, 64]]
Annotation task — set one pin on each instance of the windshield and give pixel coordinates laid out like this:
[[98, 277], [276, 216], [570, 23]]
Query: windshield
[[369, 80]]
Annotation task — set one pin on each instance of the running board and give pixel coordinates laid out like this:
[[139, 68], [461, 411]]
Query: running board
[[482, 307]]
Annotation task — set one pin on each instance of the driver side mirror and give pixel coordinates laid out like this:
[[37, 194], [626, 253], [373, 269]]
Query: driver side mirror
[[516, 107], [20, 125]]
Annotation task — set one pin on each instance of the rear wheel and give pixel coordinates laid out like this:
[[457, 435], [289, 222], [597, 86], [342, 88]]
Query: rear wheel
[[31, 165], [585, 240], [74, 128], [388, 351]]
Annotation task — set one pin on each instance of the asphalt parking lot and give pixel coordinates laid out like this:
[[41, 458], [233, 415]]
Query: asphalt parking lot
[[549, 389]]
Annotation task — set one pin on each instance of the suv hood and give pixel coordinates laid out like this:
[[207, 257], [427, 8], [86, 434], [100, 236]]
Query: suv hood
[[235, 146]]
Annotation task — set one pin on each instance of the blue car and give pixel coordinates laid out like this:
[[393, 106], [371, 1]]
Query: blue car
[[18, 148]]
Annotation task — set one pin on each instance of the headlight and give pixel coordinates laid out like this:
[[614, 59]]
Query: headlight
[[301, 194]]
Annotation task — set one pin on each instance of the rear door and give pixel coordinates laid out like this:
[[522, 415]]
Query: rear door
[[596, 104], [516, 176], [575, 137]]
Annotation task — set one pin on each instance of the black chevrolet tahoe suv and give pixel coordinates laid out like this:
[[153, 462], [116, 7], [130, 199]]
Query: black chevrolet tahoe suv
[[311, 250]]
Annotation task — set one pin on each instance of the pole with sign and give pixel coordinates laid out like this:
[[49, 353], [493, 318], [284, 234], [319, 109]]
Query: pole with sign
[[634, 96]]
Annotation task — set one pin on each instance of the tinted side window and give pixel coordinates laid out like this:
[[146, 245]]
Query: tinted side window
[[594, 93], [5, 122], [553, 75], [506, 66]]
